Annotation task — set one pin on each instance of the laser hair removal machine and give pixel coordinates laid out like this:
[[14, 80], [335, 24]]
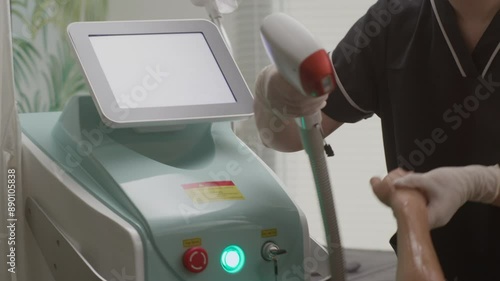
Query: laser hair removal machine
[[144, 180]]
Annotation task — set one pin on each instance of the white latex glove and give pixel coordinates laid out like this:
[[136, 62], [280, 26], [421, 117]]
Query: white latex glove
[[448, 188], [282, 98]]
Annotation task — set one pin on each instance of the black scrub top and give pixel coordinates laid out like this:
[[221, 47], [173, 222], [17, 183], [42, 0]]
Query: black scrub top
[[439, 104]]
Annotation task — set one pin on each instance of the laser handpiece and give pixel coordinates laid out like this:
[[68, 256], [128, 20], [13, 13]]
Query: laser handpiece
[[306, 66]]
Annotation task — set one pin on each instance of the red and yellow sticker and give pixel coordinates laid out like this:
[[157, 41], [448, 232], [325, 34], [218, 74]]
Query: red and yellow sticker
[[213, 191]]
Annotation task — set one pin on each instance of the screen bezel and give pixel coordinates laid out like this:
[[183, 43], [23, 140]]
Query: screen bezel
[[107, 105]]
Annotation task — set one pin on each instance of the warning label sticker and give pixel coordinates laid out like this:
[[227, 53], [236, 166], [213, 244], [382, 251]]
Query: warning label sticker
[[213, 191], [266, 233], [193, 242]]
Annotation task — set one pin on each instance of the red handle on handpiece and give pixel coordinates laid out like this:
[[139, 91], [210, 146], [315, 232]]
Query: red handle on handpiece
[[317, 75]]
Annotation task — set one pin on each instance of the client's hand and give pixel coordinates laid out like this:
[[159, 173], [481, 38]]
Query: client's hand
[[396, 199], [417, 260]]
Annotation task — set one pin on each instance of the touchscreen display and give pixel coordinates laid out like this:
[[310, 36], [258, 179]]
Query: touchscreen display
[[161, 70]]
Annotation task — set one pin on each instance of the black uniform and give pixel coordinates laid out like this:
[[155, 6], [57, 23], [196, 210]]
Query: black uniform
[[407, 62]]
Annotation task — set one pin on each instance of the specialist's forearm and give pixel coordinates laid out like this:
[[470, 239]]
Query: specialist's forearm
[[417, 259]]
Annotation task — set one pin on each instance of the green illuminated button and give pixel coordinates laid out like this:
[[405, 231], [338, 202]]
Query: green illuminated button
[[232, 259]]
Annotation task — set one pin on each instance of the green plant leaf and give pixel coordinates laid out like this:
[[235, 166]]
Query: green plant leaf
[[64, 78], [57, 75], [25, 59]]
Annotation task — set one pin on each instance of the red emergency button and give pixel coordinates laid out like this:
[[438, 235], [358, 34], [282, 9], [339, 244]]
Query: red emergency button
[[195, 259]]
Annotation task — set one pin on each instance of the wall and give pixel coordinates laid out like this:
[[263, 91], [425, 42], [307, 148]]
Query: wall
[[153, 9]]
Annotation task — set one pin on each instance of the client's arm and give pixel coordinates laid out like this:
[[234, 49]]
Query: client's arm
[[417, 260]]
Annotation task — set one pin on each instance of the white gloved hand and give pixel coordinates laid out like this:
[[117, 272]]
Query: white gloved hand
[[282, 98], [448, 188]]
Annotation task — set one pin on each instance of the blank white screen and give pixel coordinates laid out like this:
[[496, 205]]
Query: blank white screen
[[160, 70]]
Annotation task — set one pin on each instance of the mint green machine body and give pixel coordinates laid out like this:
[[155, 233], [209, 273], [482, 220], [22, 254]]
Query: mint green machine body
[[142, 177]]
